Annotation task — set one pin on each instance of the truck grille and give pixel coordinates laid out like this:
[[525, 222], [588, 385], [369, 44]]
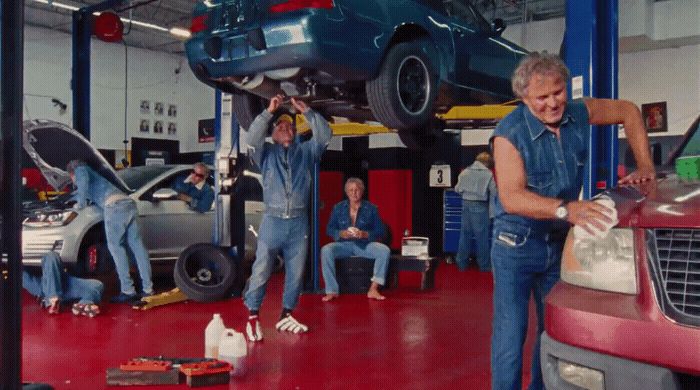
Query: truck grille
[[677, 273]]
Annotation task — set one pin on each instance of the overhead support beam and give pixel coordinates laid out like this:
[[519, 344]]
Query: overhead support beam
[[591, 53], [11, 82]]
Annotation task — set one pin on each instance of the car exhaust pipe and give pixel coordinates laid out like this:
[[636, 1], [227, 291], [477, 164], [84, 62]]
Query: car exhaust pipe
[[257, 85]]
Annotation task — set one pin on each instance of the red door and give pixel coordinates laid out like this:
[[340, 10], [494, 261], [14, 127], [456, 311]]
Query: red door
[[392, 191], [330, 192]]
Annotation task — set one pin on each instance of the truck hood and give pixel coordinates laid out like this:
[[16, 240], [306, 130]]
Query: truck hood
[[51, 145], [675, 203]]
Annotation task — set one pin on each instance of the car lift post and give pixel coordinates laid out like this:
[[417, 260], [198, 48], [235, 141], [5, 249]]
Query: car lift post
[[11, 90], [591, 53], [229, 225], [80, 80]]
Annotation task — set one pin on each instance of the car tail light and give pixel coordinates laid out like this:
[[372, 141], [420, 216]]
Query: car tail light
[[199, 23], [293, 5]]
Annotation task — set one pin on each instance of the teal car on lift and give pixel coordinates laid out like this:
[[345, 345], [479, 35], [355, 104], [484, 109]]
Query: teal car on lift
[[393, 61]]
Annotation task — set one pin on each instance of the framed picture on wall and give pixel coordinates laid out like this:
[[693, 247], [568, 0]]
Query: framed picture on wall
[[145, 107], [144, 126], [158, 127], [172, 110], [158, 109], [655, 117], [172, 128]]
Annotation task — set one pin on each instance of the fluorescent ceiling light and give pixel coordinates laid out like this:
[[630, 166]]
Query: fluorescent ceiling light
[[58, 5], [176, 31]]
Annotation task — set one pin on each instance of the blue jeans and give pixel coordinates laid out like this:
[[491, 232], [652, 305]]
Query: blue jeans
[[475, 222], [524, 262], [55, 282], [374, 250], [290, 238], [122, 231]]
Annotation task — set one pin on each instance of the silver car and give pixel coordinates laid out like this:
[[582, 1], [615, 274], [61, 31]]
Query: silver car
[[168, 226]]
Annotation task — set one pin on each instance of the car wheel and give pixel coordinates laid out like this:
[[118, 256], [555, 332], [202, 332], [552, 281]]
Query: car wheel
[[204, 272], [402, 95], [94, 257], [246, 107]]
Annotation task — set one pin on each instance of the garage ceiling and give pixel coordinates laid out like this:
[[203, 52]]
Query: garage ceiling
[[56, 14], [163, 13]]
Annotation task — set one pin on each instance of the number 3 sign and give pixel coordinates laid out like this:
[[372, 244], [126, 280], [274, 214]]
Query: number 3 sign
[[440, 176]]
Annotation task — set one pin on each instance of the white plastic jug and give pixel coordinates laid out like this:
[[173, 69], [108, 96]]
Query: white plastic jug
[[233, 349], [212, 336]]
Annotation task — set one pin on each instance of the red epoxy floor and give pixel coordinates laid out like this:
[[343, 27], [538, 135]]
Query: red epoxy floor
[[413, 340]]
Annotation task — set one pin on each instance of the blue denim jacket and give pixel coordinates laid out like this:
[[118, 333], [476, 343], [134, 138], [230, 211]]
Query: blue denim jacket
[[476, 182], [367, 219], [554, 169], [286, 172], [91, 186], [201, 199]]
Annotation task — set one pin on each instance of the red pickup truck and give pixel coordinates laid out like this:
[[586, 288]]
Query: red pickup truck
[[626, 314]]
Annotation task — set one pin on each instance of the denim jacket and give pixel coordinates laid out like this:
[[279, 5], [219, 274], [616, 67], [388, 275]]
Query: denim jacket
[[286, 172], [201, 199], [554, 168], [476, 182], [367, 219], [91, 186]]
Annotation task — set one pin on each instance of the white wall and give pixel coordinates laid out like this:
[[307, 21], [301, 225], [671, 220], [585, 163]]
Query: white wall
[[670, 74], [152, 77]]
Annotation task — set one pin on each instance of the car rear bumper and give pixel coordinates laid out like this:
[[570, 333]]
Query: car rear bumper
[[617, 373], [286, 44]]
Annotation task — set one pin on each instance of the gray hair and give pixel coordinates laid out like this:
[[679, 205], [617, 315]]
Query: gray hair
[[536, 64], [70, 167], [357, 181], [203, 167]]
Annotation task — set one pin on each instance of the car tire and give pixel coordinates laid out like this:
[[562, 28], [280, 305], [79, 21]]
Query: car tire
[[401, 97], [204, 272], [246, 107], [94, 257]]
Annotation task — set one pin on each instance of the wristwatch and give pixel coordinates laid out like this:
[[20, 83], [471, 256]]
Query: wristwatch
[[561, 213]]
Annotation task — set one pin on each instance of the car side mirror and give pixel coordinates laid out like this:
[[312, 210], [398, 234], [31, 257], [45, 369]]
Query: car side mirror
[[498, 25], [165, 194]]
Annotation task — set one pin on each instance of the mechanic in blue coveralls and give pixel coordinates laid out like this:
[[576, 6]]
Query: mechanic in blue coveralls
[[540, 150], [286, 166], [194, 190], [121, 227]]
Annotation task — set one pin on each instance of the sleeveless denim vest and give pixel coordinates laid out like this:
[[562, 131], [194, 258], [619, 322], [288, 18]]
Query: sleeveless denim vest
[[554, 168]]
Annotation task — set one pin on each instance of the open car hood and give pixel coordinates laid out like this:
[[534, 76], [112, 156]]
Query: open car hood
[[51, 145]]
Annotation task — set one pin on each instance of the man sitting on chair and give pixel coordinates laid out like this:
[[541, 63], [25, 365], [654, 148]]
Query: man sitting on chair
[[355, 226]]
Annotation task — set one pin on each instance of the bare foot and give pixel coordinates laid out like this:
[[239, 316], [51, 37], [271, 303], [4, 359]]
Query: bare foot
[[54, 305], [329, 297], [374, 294]]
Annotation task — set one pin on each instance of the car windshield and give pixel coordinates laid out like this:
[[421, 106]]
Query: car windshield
[[464, 11], [692, 142], [137, 177]]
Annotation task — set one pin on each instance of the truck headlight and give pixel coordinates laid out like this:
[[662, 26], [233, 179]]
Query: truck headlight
[[51, 219], [602, 264]]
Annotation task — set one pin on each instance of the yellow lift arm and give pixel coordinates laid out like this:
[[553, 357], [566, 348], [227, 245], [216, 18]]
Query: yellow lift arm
[[455, 114]]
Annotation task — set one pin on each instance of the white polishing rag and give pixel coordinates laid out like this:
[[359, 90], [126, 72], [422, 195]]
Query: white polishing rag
[[581, 234]]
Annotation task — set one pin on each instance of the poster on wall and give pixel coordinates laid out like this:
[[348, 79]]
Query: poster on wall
[[158, 109], [158, 127], [145, 125], [172, 128], [172, 110], [145, 107], [655, 117], [205, 130]]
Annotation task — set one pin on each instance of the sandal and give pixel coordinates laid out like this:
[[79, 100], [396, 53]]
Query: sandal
[[86, 309]]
